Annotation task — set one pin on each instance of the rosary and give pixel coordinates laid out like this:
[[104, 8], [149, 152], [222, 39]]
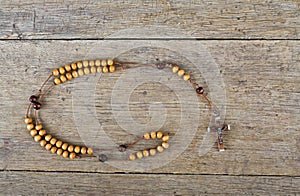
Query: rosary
[[81, 68]]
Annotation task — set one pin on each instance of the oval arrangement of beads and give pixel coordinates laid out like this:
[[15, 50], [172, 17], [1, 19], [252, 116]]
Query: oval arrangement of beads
[[81, 68]]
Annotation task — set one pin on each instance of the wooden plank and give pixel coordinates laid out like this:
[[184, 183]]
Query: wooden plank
[[86, 19], [28, 183], [262, 86]]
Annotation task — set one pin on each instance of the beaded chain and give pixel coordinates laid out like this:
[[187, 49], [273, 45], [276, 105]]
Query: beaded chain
[[76, 69]]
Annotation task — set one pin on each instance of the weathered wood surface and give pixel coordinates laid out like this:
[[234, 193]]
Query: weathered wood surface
[[201, 19]]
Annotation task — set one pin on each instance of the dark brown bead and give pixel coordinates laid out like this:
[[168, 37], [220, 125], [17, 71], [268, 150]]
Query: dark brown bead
[[37, 105], [122, 148], [200, 90], [33, 98], [161, 66], [102, 157]]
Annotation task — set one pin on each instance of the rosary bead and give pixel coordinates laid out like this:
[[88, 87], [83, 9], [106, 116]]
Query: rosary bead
[[139, 154], [48, 147], [165, 138], [79, 64], [175, 69], [53, 149], [80, 72], [65, 154], [74, 74], [86, 70], [89, 151], [68, 67], [161, 66], [93, 70], [146, 136], [186, 77], [165, 145], [153, 135], [63, 78], [55, 72], [57, 81], [33, 132], [43, 143], [112, 68], [97, 63], [62, 70], [83, 150], [77, 149], [72, 155], [53, 141], [65, 146], [159, 135], [110, 62], [200, 90], [37, 106], [74, 66], [38, 127], [42, 132], [48, 137], [145, 153], [85, 63], [105, 69], [181, 72], [132, 157], [99, 69], [102, 157], [28, 120], [152, 151], [160, 148], [30, 127], [69, 76], [33, 99], [71, 148], [58, 144], [122, 148], [59, 151], [104, 63], [92, 63]]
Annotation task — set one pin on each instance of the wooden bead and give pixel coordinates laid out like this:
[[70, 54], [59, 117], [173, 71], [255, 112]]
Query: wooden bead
[[86, 70], [48, 147], [62, 70], [79, 64], [159, 135], [153, 135], [160, 148], [110, 62], [93, 70], [112, 68], [77, 149], [89, 151], [33, 132], [92, 63], [42, 132], [30, 127], [68, 67], [97, 63], [48, 137], [55, 72], [145, 153], [99, 69], [65, 146], [59, 151], [132, 157], [58, 144], [53, 149], [72, 155], [146, 136], [80, 72], [139, 154], [175, 69], [186, 77], [71, 148], [69, 76], [165, 138], [103, 63], [53, 141], [74, 66], [152, 152], [165, 145], [181, 72], [65, 154], [57, 81], [83, 150], [28, 120], [38, 127], [105, 69], [85, 63], [43, 143], [63, 78], [74, 74]]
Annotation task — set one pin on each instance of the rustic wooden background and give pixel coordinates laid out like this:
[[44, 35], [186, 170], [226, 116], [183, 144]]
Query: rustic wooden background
[[256, 46]]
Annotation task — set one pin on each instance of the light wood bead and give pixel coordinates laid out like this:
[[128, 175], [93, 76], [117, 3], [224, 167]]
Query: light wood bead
[[42, 132], [86, 70], [145, 153], [139, 154], [77, 149], [181, 72], [53, 141], [72, 155], [80, 72], [38, 127], [48, 147], [175, 69], [105, 69], [92, 63], [110, 62], [43, 143], [112, 68], [68, 67], [85, 63], [57, 81], [74, 66], [33, 132], [186, 77], [48, 137], [152, 152], [97, 63], [103, 63], [153, 135], [65, 146], [146, 136], [58, 144], [83, 150], [71, 148], [89, 151], [159, 135], [59, 151], [55, 72], [99, 69], [28, 120], [30, 127], [53, 149], [132, 157], [62, 70], [165, 145], [160, 148], [93, 70], [165, 138], [63, 78], [65, 154], [79, 64], [69, 76], [74, 74]]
